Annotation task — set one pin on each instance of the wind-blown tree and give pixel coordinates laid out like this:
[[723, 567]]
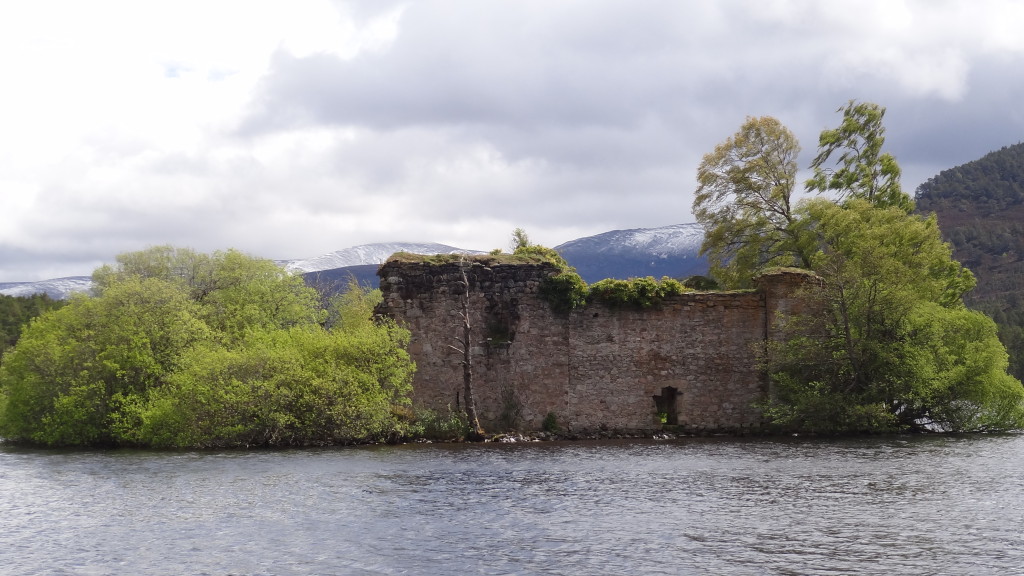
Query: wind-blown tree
[[861, 169], [179, 349], [744, 202], [888, 344]]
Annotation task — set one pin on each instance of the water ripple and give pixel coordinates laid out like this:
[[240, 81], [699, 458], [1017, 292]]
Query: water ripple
[[707, 506]]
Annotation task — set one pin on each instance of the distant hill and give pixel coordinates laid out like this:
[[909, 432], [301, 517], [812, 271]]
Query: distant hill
[[980, 209], [368, 254], [57, 288], [337, 279], [666, 251], [331, 273]]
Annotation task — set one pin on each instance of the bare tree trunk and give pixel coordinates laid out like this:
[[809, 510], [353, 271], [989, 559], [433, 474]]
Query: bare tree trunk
[[476, 432]]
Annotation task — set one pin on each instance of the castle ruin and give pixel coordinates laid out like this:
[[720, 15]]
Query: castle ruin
[[690, 362]]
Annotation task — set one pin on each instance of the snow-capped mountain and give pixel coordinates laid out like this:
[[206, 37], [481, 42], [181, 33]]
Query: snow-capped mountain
[[57, 288], [671, 251], [368, 254], [666, 251]]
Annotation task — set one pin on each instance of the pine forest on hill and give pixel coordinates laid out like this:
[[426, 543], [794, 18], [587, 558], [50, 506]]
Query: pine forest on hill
[[980, 208]]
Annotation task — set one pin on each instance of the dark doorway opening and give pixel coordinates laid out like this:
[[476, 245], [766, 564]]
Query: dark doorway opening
[[665, 404]]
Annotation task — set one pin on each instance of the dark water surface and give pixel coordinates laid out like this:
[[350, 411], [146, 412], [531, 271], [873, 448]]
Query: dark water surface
[[692, 506]]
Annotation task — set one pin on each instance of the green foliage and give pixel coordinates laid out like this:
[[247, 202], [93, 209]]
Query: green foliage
[[862, 171], [61, 380], [564, 292], [946, 372], [493, 258], [744, 202], [888, 343], [17, 311], [351, 308], [538, 253], [519, 239], [184, 350], [550, 423], [698, 282], [447, 426], [960, 365], [635, 292], [892, 337], [814, 407], [293, 387]]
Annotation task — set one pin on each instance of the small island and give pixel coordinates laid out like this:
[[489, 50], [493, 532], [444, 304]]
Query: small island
[[838, 313]]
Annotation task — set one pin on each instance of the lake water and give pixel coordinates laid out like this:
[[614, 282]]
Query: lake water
[[894, 505]]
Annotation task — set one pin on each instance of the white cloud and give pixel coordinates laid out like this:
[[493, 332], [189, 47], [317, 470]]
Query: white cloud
[[294, 129]]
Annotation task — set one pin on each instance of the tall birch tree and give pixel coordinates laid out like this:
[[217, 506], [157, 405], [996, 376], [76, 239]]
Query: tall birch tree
[[744, 201]]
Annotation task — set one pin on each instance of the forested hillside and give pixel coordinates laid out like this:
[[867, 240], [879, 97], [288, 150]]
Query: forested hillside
[[980, 207]]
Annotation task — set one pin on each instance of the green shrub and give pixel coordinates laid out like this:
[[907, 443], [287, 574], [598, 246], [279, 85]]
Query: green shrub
[[564, 292], [540, 253], [234, 354], [636, 292], [698, 282], [443, 426], [550, 423]]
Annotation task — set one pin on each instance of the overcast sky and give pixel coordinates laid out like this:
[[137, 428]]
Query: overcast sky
[[293, 129]]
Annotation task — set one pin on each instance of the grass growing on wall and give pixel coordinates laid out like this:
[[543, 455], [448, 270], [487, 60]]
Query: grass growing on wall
[[635, 292], [565, 290]]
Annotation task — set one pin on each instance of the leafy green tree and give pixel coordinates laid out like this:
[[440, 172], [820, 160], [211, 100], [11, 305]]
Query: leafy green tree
[[519, 239], [960, 368], [181, 349], [299, 386], [237, 292], [862, 169], [62, 381], [744, 202], [889, 345]]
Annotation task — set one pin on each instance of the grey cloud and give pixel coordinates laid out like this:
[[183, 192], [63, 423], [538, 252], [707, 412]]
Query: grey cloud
[[495, 63], [563, 118], [598, 103]]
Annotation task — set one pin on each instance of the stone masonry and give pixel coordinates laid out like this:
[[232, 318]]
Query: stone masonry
[[692, 360]]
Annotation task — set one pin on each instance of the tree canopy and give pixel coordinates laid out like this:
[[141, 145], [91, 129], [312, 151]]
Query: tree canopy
[[861, 170], [744, 202], [180, 349], [888, 343]]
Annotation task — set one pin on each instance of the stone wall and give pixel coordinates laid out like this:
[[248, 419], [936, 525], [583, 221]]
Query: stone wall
[[692, 359]]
